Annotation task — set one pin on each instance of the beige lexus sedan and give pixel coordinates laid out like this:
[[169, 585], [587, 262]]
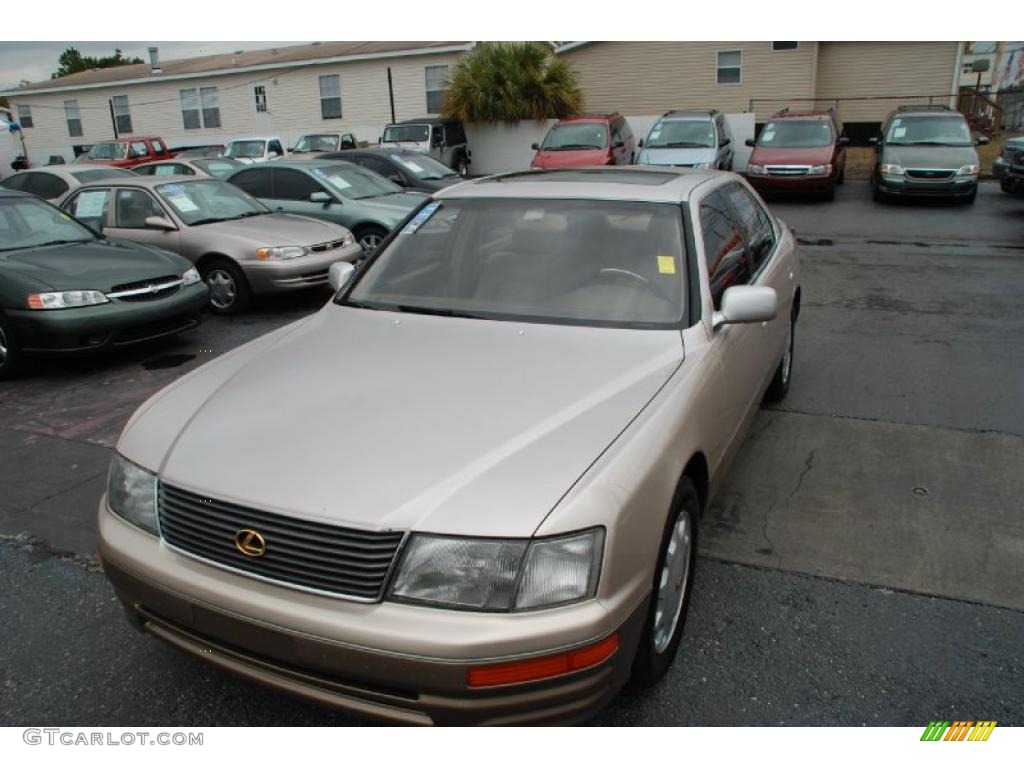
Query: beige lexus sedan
[[485, 504]]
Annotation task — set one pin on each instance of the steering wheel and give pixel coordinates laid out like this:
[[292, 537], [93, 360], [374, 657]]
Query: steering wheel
[[615, 272]]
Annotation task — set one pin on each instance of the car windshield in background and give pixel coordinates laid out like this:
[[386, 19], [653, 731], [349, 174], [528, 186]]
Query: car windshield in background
[[355, 183], [942, 131], [423, 167], [682, 133], [577, 136], [794, 134], [218, 168], [319, 142], [572, 261], [245, 149], [98, 174], [400, 133], [29, 223], [208, 200], [108, 150]]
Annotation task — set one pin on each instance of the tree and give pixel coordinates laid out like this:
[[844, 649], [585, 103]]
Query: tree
[[71, 61], [507, 82]]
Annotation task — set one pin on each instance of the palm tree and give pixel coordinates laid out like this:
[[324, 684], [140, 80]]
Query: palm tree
[[507, 82]]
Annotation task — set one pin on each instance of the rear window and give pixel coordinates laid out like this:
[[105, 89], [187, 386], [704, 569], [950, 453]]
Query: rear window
[[99, 174]]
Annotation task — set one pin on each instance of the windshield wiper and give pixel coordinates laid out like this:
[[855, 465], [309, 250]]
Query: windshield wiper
[[573, 146], [432, 311], [686, 144], [57, 242], [247, 214], [210, 220]]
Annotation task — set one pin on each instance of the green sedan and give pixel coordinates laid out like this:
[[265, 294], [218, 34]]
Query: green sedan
[[359, 199]]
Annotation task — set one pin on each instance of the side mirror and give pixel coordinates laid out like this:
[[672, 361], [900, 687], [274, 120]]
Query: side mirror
[[321, 197], [982, 140], [338, 274], [640, 144], [618, 144], [749, 142], [726, 142], [535, 146], [396, 178], [160, 222], [746, 304]]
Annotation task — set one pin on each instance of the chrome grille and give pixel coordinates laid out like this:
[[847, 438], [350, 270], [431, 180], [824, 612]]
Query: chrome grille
[[146, 290], [299, 553], [930, 174], [330, 246], [787, 170]]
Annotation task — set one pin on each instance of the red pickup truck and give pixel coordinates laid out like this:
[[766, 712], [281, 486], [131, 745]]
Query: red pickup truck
[[127, 152]]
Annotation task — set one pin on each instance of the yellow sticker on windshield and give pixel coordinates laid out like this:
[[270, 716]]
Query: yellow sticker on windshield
[[667, 265]]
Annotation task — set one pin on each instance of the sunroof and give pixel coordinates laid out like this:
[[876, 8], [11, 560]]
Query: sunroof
[[590, 176]]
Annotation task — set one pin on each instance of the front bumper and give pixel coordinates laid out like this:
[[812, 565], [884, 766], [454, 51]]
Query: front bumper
[[944, 189], [294, 274], [791, 184], [119, 323], [403, 663]]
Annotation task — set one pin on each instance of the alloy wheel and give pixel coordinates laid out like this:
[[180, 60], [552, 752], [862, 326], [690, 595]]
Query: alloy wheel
[[370, 241], [673, 583], [3, 347], [223, 290]]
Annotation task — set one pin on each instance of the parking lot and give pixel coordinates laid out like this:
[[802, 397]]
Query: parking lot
[[863, 562]]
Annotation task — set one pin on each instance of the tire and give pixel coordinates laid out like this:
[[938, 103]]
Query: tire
[[842, 175], [661, 635], [784, 373], [461, 166], [10, 354], [230, 293], [1005, 186], [969, 200], [829, 194], [877, 194], [370, 237]]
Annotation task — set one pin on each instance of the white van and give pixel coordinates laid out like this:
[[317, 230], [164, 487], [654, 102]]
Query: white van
[[255, 149]]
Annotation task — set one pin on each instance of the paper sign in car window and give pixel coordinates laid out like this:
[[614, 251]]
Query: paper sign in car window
[[896, 122], [899, 133], [89, 205], [667, 265], [655, 134], [768, 135], [414, 167], [182, 202], [420, 218], [337, 182]]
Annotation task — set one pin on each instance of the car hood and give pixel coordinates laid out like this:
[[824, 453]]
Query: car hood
[[791, 155], [392, 207], [436, 184], [412, 146], [275, 229], [99, 265], [569, 158], [677, 155], [929, 157], [403, 421]]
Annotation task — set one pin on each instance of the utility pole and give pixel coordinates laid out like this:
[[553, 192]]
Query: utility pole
[[113, 120], [391, 95]]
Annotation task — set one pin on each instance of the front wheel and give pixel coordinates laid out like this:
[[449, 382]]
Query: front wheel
[[229, 290], [784, 373], [370, 238], [673, 583], [10, 354], [969, 200], [461, 166]]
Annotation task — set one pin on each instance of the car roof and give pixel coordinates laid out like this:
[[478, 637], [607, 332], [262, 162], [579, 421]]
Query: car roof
[[303, 165], [689, 113], [590, 118], [254, 138], [646, 183], [924, 112], [138, 180]]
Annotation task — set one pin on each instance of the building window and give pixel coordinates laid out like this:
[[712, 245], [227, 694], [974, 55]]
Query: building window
[[785, 46], [330, 97], [260, 92], [24, 116], [73, 117], [437, 83], [189, 108], [211, 107], [122, 115], [729, 65], [206, 102]]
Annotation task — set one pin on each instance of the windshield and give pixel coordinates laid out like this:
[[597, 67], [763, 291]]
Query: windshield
[[29, 223], [794, 134], [399, 133], [355, 183], [208, 200], [682, 133], [245, 149], [947, 130], [108, 150], [423, 167], [318, 142], [576, 136], [577, 261]]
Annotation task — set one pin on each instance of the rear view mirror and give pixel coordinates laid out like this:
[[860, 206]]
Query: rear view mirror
[[746, 304], [159, 222], [535, 146], [339, 273], [749, 142], [618, 144], [320, 197]]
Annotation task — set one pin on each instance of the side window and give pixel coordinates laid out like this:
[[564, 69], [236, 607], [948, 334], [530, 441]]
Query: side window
[[45, 185], [275, 148], [348, 141], [90, 207], [145, 170], [436, 136], [138, 149], [167, 169], [377, 165], [724, 250], [158, 147], [294, 185], [132, 208], [756, 224], [15, 182], [255, 181]]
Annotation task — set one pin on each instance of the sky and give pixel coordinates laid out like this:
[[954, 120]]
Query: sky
[[36, 61]]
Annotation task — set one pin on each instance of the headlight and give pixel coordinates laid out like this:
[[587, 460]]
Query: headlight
[[348, 239], [756, 169], [190, 277], [820, 170], [131, 493], [499, 574], [890, 169], [65, 299], [968, 170], [280, 253], [703, 166]]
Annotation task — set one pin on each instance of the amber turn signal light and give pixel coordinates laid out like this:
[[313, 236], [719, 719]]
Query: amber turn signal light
[[544, 666]]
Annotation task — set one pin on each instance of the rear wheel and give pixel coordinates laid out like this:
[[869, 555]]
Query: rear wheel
[[780, 381], [229, 290], [876, 194], [461, 166], [10, 354]]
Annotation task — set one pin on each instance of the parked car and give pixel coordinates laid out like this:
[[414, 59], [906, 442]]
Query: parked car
[[409, 170], [218, 167], [442, 138], [66, 290], [53, 184], [689, 138], [312, 145], [207, 150], [360, 200], [238, 245], [586, 140], [799, 152], [126, 152], [926, 151], [257, 149], [1009, 166], [511, 419]]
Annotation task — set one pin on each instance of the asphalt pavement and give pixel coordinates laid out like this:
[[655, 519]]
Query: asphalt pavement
[[863, 563]]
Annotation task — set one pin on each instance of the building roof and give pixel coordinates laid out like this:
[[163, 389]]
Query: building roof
[[246, 61]]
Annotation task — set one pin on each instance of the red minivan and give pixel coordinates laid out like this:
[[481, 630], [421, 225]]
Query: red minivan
[[798, 152], [127, 152], [586, 140]]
